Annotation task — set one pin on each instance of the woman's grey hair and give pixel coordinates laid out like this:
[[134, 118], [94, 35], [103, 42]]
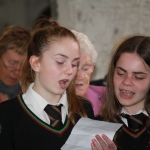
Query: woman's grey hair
[[86, 47]]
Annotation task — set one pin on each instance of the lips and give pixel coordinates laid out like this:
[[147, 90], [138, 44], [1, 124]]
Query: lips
[[13, 79], [126, 93], [79, 86], [63, 83]]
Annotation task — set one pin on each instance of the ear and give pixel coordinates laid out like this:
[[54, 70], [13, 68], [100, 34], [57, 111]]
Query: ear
[[34, 62]]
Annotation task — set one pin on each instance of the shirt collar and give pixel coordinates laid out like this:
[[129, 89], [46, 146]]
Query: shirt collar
[[39, 103], [142, 110]]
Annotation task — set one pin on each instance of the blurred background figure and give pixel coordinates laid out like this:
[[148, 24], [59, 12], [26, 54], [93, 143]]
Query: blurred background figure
[[13, 43], [88, 56]]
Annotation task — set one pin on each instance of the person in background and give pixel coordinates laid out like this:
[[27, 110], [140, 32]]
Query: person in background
[[88, 56], [27, 121], [128, 93], [13, 42]]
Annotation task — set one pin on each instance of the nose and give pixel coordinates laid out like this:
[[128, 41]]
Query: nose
[[128, 81], [16, 73], [79, 74], [17, 69], [69, 69]]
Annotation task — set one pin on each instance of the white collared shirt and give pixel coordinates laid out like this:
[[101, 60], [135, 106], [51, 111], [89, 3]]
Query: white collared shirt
[[37, 103], [125, 112]]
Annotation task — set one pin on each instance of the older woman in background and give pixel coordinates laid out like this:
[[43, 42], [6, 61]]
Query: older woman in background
[[88, 57], [13, 42]]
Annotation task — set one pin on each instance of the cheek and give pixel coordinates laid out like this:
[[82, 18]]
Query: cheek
[[116, 84], [74, 73], [116, 81], [5, 72], [49, 73], [143, 89], [86, 81]]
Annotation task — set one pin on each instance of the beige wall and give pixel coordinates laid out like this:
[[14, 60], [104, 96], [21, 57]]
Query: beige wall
[[103, 21]]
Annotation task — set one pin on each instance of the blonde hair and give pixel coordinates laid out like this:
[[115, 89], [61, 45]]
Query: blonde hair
[[15, 38], [86, 46]]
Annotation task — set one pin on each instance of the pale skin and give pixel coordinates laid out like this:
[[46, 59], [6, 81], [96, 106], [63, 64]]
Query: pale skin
[[82, 80], [131, 82], [101, 145], [56, 69]]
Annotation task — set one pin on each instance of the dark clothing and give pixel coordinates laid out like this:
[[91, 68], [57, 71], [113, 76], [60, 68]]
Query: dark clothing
[[127, 139], [11, 91], [100, 82], [21, 129]]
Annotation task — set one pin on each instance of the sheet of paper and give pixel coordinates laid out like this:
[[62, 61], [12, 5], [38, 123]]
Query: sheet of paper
[[85, 130]]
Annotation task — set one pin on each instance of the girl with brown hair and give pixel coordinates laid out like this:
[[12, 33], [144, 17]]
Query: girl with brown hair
[[128, 93]]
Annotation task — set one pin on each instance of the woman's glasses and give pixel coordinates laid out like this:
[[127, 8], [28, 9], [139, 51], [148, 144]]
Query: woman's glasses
[[87, 68], [11, 66]]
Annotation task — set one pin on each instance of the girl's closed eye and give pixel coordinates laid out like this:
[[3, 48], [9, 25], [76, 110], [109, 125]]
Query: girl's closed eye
[[120, 73], [139, 78], [74, 65], [60, 62]]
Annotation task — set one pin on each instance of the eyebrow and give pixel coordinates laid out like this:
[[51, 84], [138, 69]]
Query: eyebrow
[[67, 56], [139, 72]]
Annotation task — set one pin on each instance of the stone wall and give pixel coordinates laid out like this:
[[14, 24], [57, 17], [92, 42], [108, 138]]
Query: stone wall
[[103, 21]]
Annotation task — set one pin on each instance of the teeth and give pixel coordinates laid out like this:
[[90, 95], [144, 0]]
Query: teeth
[[127, 92]]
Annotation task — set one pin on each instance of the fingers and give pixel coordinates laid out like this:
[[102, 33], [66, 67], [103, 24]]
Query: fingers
[[103, 143], [95, 145], [110, 143]]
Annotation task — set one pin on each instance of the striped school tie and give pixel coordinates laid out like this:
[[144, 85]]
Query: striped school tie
[[135, 122], [54, 114]]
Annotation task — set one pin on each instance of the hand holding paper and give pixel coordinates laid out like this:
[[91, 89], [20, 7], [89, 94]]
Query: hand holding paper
[[102, 143], [85, 130]]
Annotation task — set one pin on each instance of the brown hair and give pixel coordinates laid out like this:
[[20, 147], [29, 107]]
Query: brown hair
[[15, 38], [135, 44], [45, 33]]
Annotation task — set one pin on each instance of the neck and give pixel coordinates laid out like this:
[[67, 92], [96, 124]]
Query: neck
[[131, 111], [50, 97]]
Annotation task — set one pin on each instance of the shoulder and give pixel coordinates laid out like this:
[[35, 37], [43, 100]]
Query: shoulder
[[97, 88], [84, 101]]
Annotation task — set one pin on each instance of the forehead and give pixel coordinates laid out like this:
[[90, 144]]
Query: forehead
[[12, 54], [66, 46], [132, 61], [85, 58]]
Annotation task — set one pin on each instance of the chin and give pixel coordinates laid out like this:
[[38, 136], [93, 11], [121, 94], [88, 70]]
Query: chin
[[11, 84], [80, 93]]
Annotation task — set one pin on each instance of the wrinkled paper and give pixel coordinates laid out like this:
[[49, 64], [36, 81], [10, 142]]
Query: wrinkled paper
[[85, 130]]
